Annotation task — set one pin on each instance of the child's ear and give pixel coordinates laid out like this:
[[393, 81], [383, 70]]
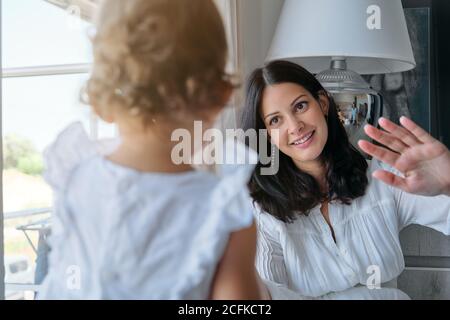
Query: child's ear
[[106, 114]]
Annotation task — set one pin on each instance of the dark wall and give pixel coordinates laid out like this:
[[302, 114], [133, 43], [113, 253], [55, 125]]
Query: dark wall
[[442, 36], [426, 251], [440, 65]]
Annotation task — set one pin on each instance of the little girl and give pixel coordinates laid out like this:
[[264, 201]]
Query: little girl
[[130, 223]]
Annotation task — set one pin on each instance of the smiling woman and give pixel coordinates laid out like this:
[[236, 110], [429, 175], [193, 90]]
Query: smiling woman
[[281, 120], [301, 120], [329, 220]]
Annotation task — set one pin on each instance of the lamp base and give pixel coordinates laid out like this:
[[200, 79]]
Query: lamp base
[[357, 103]]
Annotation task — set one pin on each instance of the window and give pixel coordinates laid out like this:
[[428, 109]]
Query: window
[[18, 267], [58, 36], [43, 73]]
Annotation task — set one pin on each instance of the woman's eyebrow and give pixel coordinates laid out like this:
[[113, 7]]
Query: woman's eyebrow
[[271, 114], [292, 104], [295, 100]]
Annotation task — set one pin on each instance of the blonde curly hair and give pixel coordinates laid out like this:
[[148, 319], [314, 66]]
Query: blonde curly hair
[[154, 57]]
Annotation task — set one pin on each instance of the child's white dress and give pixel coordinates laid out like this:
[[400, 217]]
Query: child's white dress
[[122, 234]]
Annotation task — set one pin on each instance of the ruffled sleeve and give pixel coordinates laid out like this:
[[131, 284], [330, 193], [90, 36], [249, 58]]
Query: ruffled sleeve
[[70, 148], [433, 212]]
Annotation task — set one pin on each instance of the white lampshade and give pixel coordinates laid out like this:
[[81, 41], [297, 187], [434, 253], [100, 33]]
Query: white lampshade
[[311, 32]]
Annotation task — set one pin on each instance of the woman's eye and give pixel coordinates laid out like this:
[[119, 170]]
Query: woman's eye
[[301, 106], [273, 121]]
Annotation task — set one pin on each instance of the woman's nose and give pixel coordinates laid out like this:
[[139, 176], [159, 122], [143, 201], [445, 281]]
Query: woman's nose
[[295, 125]]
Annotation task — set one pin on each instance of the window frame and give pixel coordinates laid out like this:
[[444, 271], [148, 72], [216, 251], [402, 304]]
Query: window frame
[[53, 70], [2, 253]]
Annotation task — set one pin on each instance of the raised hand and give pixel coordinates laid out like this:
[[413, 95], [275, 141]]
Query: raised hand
[[423, 160]]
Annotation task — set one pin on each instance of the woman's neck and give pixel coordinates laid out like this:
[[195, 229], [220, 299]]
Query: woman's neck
[[316, 169]]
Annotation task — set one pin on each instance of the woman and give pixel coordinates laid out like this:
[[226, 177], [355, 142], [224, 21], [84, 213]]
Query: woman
[[325, 224]]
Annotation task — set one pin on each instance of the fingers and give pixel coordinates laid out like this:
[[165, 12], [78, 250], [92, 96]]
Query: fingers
[[386, 139], [417, 131], [390, 179], [380, 153], [401, 133]]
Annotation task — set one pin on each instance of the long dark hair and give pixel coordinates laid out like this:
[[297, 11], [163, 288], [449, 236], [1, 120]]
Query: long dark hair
[[292, 191]]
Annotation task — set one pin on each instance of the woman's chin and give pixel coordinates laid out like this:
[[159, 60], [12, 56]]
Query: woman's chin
[[306, 155]]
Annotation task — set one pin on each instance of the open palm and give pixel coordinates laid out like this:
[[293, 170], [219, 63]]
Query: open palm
[[423, 160]]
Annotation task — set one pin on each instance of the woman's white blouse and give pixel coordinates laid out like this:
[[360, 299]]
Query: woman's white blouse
[[122, 234], [301, 259]]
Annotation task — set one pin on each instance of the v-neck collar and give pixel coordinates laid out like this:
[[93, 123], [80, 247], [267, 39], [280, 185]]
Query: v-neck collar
[[327, 230]]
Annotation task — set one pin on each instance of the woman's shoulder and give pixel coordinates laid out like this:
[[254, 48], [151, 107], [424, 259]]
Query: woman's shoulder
[[266, 221], [377, 194]]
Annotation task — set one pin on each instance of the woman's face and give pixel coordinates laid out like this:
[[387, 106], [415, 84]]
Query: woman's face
[[295, 121]]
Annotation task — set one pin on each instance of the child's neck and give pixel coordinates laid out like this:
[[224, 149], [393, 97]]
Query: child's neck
[[147, 152]]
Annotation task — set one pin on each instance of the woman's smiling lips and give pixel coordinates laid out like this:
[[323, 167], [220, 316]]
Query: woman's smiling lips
[[304, 141]]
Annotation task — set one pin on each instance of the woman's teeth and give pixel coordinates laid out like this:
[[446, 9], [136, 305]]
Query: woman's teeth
[[303, 140]]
